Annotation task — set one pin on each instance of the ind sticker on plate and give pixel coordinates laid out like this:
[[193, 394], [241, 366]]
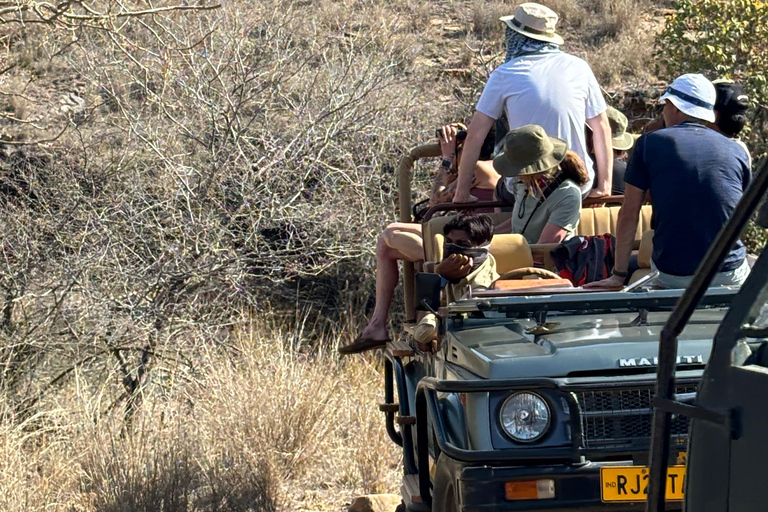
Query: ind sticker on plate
[[630, 483]]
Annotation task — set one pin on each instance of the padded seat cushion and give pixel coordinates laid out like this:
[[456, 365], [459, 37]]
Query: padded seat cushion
[[511, 252], [602, 219]]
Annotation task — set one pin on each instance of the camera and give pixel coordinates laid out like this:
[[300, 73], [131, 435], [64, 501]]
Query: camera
[[460, 135]]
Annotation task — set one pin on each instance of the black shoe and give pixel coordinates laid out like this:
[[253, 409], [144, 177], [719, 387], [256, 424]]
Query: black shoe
[[361, 345]]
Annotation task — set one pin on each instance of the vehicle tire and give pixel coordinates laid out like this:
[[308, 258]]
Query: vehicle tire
[[444, 486]]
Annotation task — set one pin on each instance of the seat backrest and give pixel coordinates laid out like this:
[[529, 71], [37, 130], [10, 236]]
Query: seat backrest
[[432, 232], [510, 251], [603, 219]]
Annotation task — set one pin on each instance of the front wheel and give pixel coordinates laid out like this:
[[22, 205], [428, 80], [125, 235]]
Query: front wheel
[[444, 487]]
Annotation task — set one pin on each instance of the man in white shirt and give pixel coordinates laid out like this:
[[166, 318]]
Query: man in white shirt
[[540, 84]]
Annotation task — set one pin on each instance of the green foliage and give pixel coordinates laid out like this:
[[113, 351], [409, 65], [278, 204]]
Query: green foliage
[[724, 38], [755, 237], [719, 37]]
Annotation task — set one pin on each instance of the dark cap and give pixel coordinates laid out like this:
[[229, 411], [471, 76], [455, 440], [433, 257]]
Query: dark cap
[[730, 97]]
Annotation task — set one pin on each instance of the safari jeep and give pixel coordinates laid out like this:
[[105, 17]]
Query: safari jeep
[[537, 398]]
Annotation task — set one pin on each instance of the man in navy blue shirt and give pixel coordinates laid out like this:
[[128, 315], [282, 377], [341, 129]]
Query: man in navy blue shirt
[[695, 177]]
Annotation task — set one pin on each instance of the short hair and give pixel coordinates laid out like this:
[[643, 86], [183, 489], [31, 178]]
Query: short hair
[[479, 227], [731, 123]]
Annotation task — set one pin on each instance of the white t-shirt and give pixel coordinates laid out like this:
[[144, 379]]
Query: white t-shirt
[[555, 90]]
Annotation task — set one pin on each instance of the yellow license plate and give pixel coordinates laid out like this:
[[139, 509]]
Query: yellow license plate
[[630, 483]]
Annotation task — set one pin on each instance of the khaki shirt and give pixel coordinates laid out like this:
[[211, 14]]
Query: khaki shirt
[[480, 279]]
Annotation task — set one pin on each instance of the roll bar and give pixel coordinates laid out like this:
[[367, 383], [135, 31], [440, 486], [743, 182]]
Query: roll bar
[[404, 177]]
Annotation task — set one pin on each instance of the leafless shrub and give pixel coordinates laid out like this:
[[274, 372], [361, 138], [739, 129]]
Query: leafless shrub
[[216, 160], [485, 18], [626, 58]]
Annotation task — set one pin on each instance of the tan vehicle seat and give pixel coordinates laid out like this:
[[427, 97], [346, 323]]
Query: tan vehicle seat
[[602, 219], [510, 251]]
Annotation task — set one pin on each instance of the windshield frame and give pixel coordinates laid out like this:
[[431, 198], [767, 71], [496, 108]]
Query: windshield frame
[[590, 300]]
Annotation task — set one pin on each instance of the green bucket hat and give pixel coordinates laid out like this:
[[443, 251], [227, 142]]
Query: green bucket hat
[[529, 150], [620, 139]]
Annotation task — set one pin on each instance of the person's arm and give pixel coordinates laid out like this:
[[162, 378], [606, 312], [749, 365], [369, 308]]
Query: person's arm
[[476, 133], [601, 137], [563, 217], [626, 227], [454, 266], [552, 234], [443, 178], [504, 227]]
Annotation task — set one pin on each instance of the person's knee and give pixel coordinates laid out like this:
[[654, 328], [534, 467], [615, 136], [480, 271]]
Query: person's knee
[[382, 247], [388, 235]]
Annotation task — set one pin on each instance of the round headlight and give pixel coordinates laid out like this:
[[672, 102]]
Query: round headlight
[[525, 417]]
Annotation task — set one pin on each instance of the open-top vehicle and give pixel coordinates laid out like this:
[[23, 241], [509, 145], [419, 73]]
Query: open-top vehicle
[[540, 398]]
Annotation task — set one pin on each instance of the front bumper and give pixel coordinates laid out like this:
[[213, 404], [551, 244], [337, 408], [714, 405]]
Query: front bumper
[[481, 488]]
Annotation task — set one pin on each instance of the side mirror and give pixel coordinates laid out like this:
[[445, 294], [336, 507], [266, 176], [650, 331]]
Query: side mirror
[[428, 288]]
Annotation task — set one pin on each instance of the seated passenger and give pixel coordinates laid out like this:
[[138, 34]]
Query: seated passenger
[[696, 178], [403, 241], [621, 142], [451, 145], [467, 264], [543, 181]]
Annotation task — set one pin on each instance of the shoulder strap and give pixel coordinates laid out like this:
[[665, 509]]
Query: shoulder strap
[[553, 185]]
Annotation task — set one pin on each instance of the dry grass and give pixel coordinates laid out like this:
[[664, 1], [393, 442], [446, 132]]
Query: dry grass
[[265, 424], [615, 36]]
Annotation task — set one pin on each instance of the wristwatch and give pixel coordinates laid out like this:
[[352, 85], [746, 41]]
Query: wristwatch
[[447, 163]]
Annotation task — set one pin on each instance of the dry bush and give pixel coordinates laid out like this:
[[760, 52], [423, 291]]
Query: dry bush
[[260, 423], [485, 18], [619, 15], [626, 59], [213, 160]]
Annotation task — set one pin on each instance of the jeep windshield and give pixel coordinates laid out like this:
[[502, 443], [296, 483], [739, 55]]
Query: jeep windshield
[[580, 302]]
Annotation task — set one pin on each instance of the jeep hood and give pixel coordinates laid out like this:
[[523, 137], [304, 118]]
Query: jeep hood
[[577, 345]]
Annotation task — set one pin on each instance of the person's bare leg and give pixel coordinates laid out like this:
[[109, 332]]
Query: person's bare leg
[[406, 239], [398, 242]]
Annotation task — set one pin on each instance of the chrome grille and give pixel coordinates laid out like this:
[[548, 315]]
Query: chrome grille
[[622, 417]]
